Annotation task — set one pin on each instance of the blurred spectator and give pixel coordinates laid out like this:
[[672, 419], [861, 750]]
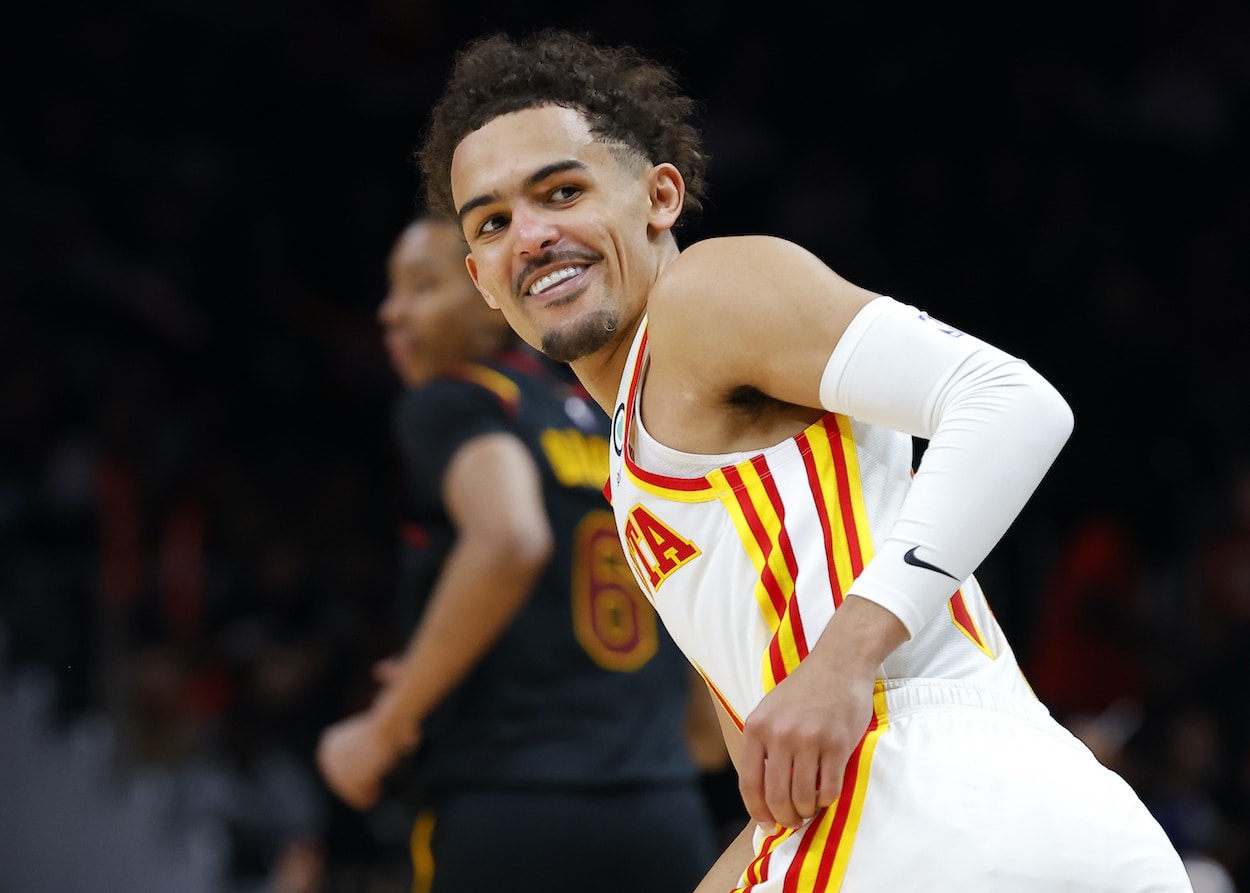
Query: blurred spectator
[[1223, 586], [1086, 654]]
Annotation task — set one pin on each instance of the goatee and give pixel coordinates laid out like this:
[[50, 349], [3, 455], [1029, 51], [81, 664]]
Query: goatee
[[581, 339]]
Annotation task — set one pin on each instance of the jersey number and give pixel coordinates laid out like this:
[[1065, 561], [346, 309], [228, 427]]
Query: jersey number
[[613, 620]]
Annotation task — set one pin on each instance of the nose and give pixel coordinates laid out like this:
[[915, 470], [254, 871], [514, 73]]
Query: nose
[[388, 310], [533, 230]]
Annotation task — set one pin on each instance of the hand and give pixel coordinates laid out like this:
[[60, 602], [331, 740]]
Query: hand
[[387, 670], [355, 754], [797, 741]]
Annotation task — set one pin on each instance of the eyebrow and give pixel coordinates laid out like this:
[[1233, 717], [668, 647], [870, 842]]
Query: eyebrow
[[556, 167]]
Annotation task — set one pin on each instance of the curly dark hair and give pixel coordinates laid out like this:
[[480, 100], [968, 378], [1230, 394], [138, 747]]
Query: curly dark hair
[[626, 97]]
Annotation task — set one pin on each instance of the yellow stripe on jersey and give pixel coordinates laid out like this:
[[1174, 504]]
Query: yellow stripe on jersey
[[821, 856], [501, 385], [756, 870], [750, 497], [829, 448], [421, 851], [966, 623], [845, 824]]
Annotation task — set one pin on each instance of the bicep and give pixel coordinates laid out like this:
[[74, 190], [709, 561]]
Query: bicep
[[492, 490]]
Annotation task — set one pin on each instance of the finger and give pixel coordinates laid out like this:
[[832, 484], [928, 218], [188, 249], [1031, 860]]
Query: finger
[[751, 780], [829, 779], [778, 780], [804, 782]]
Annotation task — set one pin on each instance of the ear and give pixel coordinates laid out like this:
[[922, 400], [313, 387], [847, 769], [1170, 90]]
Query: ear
[[471, 264], [667, 192]]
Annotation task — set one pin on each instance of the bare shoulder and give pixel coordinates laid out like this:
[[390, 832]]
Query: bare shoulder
[[746, 304], [718, 263]]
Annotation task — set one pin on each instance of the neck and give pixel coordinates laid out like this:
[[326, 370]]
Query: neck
[[600, 373]]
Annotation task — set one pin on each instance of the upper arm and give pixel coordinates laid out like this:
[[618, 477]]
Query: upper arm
[[751, 310], [704, 730], [492, 490]]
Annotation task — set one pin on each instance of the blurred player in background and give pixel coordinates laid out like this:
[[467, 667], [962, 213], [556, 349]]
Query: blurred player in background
[[545, 708]]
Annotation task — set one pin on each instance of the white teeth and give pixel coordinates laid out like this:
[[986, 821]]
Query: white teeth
[[552, 278]]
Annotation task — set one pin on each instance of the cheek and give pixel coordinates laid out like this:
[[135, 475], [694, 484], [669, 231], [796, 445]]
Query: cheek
[[521, 325], [482, 267]]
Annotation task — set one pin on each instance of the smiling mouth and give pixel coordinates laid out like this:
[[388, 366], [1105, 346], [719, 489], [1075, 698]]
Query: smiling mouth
[[555, 277]]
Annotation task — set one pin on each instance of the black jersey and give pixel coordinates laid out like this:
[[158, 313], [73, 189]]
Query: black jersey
[[585, 688]]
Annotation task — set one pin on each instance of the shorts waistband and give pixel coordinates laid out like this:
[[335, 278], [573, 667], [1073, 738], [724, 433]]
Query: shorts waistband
[[905, 695]]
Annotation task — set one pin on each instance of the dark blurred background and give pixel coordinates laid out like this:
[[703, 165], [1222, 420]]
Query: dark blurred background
[[197, 486]]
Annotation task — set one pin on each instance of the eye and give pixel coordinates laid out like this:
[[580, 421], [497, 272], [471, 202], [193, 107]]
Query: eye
[[564, 193], [491, 224]]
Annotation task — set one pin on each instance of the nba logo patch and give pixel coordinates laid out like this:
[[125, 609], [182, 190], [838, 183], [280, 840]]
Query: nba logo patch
[[940, 326]]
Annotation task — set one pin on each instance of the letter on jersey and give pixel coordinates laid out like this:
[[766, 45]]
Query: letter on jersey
[[655, 548]]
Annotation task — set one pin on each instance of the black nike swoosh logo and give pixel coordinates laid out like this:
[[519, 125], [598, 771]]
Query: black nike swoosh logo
[[910, 558]]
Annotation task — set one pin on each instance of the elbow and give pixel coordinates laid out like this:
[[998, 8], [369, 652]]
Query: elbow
[[1048, 417], [1061, 419], [526, 550]]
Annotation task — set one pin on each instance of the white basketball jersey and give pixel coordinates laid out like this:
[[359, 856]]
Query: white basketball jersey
[[746, 556]]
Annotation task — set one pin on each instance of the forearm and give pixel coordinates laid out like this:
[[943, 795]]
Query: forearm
[[727, 870], [477, 596], [994, 427], [858, 638]]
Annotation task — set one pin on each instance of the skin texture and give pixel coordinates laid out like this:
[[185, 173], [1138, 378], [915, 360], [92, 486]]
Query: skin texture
[[537, 193]]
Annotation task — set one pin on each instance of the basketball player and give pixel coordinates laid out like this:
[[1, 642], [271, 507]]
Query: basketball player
[[543, 702], [763, 409]]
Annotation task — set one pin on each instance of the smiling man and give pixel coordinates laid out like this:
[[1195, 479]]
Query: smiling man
[[761, 477]]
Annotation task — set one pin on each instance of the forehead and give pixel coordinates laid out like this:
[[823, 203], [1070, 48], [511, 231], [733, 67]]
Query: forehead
[[497, 158], [429, 243]]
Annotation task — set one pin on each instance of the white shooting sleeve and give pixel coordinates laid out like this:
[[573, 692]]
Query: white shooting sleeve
[[994, 427]]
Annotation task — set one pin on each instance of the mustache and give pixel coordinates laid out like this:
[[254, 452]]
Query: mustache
[[548, 258]]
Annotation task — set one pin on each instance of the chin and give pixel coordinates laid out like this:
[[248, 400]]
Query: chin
[[582, 338]]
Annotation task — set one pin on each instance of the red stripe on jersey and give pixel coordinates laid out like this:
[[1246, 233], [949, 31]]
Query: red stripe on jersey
[[685, 485], [959, 610], [776, 660], [828, 835], [743, 496], [757, 870], [774, 498], [966, 623], [831, 425], [729, 711], [822, 512], [792, 616]]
